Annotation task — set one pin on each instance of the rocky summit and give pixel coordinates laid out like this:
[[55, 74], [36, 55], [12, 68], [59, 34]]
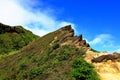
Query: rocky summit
[[68, 37]]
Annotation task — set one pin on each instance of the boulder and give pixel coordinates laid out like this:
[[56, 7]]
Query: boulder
[[104, 58]]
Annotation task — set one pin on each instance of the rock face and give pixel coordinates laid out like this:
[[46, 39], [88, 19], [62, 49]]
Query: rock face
[[70, 39], [7, 28], [67, 31], [104, 58]]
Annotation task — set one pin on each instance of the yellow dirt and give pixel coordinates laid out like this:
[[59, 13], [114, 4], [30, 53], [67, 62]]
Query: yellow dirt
[[110, 76], [107, 70]]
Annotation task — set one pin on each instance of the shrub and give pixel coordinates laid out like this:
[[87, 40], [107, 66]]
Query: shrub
[[36, 72], [55, 46], [22, 66], [94, 50], [81, 70], [22, 75]]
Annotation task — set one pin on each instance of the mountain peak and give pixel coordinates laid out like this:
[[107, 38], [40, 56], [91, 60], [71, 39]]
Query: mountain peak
[[67, 27], [68, 33]]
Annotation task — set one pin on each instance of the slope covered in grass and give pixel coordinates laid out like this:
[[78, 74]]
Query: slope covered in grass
[[55, 56], [13, 38]]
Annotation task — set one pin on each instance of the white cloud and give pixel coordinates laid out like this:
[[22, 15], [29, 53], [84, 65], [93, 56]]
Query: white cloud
[[101, 39], [105, 42], [38, 21], [102, 42], [11, 13], [118, 50]]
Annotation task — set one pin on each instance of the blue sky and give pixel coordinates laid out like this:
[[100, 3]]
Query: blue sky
[[97, 20]]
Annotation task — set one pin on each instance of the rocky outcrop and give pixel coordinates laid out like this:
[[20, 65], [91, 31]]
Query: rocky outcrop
[[9, 29], [68, 37], [67, 31], [104, 58]]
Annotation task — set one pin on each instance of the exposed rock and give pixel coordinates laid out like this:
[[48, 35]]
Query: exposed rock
[[104, 58], [68, 37], [66, 28], [9, 29], [67, 31], [87, 45], [83, 42], [80, 37]]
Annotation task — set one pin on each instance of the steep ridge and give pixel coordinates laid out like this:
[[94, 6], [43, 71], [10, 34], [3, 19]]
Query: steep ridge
[[13, 38], [55, 56]]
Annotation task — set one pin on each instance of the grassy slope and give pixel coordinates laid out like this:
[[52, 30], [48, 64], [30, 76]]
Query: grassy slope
[[42, 61], [12, 41]]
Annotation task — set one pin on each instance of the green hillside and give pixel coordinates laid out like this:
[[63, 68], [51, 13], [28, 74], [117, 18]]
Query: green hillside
[[55, 56], [13, 38]]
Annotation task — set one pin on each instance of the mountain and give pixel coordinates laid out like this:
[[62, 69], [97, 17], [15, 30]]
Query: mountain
[[58, 55], [13, 38]]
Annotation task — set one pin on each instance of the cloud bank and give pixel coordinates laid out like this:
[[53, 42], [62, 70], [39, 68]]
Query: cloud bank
[[27, 14], [105, 42], [102, 39]]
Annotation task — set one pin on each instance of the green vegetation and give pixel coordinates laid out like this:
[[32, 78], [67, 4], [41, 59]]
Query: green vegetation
[[94, 50], [82, 70], [46, 59], [53, 61], [12, 41], [52, 64]]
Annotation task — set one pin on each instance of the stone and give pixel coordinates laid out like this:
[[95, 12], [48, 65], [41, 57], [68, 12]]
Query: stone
[[68, 38], [80, 37], [67, 31], [104, 58]]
